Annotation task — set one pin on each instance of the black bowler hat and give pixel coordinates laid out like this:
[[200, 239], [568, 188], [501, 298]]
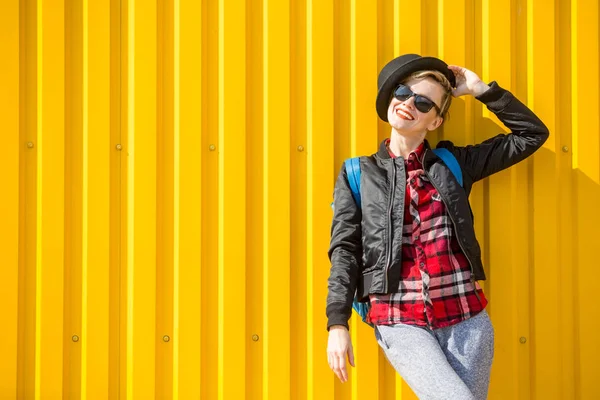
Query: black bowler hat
[[401, 68]]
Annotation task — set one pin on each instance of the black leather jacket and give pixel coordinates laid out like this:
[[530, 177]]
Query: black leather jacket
[[365, 249]]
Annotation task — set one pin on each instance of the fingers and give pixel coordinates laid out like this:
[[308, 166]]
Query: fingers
[[337, 363], [459, 74], [463, 73], [333, 364], [351, 356], [458, 71], [338, 368], [341, 368], [344, 368]]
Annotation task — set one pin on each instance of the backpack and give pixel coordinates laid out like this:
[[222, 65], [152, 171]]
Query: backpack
[[353, 172]]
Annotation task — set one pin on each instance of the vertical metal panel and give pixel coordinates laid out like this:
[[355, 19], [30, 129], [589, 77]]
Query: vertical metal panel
[[566, 278], [141, 211], [167, 172], [319, 174], [97, 148], [165, 188], [276, 200], [74, 194], [258, 87], [541, 69], [50, 244], [210, 205], [299, 368], [187, 213], [28, 201], [116, 183], [232, 199], [585, 191], [12, 152]]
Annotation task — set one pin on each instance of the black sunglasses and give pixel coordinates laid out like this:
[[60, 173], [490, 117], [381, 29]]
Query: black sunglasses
[[422, 103]]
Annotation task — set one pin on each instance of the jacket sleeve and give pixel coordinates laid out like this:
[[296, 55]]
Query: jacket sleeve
[[528, 133], [345, 251]]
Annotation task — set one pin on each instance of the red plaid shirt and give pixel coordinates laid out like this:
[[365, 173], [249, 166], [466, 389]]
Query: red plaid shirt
[[435, 289]]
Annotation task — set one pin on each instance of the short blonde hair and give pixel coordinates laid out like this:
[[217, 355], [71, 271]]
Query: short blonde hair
[[442, 80]]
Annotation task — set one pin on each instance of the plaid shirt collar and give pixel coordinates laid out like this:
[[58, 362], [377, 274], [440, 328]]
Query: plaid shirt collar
[[417, 153]]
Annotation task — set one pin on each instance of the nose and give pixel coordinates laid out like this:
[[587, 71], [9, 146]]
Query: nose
[[410, 102]]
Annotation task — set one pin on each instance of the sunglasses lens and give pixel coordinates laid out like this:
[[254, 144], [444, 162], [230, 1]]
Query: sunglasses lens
[[423, 104], [402, 93]]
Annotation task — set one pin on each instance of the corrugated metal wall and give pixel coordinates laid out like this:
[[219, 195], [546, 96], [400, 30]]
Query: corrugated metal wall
[[167, 168]]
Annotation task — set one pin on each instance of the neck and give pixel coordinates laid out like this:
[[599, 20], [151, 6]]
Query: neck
[[403, 145]]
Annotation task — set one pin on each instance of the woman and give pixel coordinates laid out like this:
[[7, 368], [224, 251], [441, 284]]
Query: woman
[[410, 249]]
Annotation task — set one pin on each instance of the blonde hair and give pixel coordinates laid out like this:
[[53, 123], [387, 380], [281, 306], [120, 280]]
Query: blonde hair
[[442, 80]]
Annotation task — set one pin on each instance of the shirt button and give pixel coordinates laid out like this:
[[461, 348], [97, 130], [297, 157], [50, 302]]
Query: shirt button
[[422, 264], [412, 180]]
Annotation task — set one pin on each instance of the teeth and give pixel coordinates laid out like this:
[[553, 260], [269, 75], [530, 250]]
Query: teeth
[[399, 111]]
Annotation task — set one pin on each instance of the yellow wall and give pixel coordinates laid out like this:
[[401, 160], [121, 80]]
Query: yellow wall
[[167, 168]]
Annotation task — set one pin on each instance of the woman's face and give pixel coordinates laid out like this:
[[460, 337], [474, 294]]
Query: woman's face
[[405, 118]]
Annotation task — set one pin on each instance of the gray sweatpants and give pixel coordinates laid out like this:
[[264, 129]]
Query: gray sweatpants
[[446, 363]]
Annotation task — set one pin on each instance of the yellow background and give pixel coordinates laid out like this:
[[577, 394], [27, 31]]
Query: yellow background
[[166, 173]]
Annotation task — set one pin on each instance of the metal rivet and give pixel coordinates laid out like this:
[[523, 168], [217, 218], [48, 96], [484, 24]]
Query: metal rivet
[[565, 149], [166, 338], [75, 338], [119, 147], [255, 338], [523, 339], [212, 147], [300, 148], [30, 145]]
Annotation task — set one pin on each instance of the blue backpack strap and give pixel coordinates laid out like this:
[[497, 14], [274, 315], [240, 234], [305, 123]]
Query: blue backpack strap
[[449, 159], [353, 172]]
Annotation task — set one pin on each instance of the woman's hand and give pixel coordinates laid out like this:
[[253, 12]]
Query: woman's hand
[[339, 345], [467, 82]]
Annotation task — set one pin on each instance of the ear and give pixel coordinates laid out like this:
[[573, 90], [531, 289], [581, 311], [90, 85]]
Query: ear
[[435, 124]]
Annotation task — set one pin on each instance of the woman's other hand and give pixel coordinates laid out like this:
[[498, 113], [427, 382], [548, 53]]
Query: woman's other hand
[[338, 347], [467, 82]]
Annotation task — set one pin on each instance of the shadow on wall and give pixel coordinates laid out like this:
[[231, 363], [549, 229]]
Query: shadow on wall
[[542, 313]]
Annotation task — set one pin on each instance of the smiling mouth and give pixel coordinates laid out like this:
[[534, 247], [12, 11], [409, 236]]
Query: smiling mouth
[[404, 114]]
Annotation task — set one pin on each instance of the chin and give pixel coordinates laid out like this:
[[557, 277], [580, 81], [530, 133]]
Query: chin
[[400, 124]]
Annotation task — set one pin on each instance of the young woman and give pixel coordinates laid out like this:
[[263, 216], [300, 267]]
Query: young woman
[[410, 249]]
